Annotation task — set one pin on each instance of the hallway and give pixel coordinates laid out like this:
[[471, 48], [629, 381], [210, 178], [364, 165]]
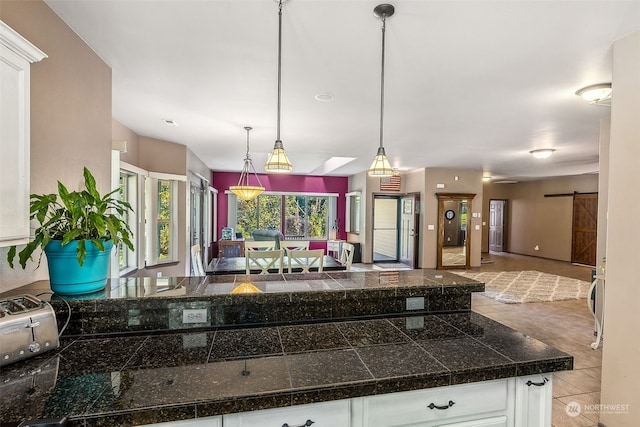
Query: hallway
[[566, 325]]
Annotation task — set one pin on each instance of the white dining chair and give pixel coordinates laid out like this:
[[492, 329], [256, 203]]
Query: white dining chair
[[264, 260], [260, 245], [305, 259], [301, 245], [346, 257]]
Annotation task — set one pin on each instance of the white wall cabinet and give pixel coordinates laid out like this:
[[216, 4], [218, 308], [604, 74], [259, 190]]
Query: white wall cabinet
[[16, 56]]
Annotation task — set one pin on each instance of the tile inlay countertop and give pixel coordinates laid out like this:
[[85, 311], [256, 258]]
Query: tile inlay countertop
[[144, 376]]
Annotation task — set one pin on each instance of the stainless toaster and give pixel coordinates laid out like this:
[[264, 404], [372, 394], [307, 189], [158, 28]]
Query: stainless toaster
[[27, 327]]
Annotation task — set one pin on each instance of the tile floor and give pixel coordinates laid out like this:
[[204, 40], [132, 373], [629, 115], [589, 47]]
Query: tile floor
[[566, 325]]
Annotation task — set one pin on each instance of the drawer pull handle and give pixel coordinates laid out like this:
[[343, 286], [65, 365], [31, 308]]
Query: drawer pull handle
[[306, 424], [442, 407], [540, 384]]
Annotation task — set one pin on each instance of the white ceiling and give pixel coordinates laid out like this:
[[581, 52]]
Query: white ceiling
[[469, 84]]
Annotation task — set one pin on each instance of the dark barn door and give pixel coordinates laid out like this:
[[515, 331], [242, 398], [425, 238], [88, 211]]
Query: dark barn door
[[585, 225]]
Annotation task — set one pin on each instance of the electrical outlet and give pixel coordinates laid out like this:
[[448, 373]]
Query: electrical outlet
[[414, 322], [415, 303], [194, 315]]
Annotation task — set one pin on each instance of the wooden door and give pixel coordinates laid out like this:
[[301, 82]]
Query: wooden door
[[497, 228], [585, 225]]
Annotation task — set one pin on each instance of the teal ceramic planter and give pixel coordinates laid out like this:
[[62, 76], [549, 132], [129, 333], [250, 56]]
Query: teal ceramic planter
[[66, 277]]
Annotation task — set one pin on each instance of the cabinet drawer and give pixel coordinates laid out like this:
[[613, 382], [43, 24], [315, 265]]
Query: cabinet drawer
[[325, 414], [414, 406]]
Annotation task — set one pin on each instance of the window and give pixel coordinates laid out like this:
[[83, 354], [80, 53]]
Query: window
[[297, 216], [128, 186], [161, 214]]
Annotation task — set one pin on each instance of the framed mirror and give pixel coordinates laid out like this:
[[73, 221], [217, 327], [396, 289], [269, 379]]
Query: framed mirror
[[454, 237]]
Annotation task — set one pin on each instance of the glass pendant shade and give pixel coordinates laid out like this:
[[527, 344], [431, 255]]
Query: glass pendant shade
[[244, 189], [278, 161], [380, 167]]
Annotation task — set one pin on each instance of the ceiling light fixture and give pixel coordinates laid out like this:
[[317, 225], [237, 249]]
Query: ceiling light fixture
[[599, 94], [542, 153], [380, 167], [244, 190], [486, 178], [278, 161]]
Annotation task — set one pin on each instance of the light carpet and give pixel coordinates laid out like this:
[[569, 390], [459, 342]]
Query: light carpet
[[512, 287]]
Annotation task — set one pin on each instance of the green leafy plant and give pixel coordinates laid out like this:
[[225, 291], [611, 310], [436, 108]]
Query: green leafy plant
[[79, 215]]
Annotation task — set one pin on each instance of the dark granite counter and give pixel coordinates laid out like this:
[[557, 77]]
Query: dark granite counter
[[332, 336], [132, 380], [145, 304]]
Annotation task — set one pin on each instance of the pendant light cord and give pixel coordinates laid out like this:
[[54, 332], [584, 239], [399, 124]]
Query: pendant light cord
[[279, 67], [384, 20]]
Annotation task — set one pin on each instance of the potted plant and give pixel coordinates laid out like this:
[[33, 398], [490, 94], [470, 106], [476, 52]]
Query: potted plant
[[77, 231]]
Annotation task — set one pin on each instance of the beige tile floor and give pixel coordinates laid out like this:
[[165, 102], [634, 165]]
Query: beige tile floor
[[566, 325]]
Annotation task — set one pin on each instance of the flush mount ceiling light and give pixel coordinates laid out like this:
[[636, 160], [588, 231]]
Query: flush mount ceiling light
[[244, 189], [542, 153], [599, 94], [278, 161], [380, 167], [486, 178]]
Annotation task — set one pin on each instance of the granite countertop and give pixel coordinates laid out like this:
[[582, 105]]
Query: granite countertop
[[133, 380]]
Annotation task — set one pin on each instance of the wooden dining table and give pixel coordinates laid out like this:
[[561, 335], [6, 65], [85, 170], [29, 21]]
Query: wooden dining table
[[238, 265]]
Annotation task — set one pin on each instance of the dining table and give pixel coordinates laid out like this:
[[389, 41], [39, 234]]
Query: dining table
[[238, 265]]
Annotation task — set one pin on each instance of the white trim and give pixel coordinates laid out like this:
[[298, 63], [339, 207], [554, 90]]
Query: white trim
[[133, 169], [18, 44], [168, 176]]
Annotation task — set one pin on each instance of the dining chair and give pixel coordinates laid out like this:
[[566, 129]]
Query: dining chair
[[264, 260], [346, 257], [301, 245], [196, 261], [259, 245], [305, 259]]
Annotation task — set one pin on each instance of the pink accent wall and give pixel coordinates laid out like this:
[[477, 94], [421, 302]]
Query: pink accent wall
[[289, 183]]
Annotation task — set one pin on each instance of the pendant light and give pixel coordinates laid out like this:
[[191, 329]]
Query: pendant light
[[244, 190], [278, 162], [380, 167]]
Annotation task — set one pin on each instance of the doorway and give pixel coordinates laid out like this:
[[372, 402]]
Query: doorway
[[385, 228], [395, 229], [497, 225], [584, 238]]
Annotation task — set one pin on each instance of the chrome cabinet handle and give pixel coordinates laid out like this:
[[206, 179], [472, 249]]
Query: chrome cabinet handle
[[441, 407], [306, 424]]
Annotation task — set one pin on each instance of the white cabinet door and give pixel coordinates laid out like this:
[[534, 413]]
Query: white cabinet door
[[485, 422], [437, 406], [198, 422], [533, 401], [16, 56], [325, 414]]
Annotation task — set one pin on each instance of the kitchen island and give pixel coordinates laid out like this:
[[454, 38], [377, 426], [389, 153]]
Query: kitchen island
[[337, 337]]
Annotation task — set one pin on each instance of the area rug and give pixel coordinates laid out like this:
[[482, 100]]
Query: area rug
[[512, 287]]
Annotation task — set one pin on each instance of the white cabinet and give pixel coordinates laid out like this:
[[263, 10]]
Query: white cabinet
[[336, 413], [16, 56], [488, 403], [533, 401], [198, 422]]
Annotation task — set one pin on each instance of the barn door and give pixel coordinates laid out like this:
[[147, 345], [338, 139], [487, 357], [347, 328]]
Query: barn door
[[585, 224]]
